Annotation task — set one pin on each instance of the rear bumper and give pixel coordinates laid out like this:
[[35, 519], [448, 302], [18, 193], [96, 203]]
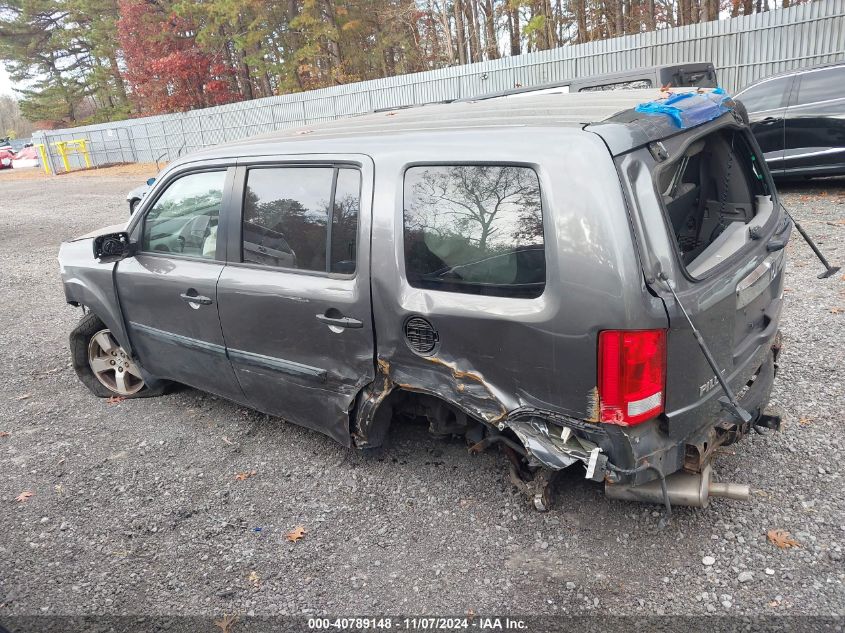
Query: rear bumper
[[694, 452], [550, 445]]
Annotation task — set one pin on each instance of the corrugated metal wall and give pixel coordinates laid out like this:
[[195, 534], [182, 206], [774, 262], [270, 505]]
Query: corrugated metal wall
[[742, 49]]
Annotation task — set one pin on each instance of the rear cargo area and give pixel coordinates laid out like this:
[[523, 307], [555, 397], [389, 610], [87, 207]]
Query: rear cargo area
[[712, 193]]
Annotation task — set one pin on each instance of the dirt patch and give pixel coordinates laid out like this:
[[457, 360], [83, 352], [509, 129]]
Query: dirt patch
[[140, 170]]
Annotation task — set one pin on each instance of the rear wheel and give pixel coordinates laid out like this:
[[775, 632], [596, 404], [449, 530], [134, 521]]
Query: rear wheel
[[133, 204], [103, 365]]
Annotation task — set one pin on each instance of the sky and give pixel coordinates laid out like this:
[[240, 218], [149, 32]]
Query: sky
[[5, 82]]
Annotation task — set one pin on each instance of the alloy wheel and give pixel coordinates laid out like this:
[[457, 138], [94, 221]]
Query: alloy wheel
[[112, 366]]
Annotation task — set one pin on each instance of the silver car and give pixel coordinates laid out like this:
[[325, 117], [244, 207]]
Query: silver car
[[135, 196]]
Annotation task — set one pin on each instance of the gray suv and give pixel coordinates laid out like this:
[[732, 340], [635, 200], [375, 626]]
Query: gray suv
[[601, 294]]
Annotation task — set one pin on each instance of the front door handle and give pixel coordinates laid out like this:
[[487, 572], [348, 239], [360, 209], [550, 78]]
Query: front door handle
[[196, 299], [339, 321]]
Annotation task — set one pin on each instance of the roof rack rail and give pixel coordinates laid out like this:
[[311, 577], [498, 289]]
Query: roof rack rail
[[413, 105]]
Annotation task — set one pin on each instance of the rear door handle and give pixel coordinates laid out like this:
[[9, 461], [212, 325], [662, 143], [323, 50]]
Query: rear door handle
[[196, 299], [341, 321]]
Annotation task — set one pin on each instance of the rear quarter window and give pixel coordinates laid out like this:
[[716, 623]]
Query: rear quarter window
[[476, 229]]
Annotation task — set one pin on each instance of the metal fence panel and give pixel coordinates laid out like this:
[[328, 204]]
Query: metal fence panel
[[742, 50]]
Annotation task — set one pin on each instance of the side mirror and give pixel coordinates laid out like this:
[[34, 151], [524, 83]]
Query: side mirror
[[112, 247], [150, 182]]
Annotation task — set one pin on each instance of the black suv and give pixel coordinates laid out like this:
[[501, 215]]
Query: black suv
[[798, 119]]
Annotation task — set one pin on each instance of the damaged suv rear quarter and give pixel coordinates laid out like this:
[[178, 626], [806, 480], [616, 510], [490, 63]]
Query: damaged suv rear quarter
[[533, 377], [511, 367], [711, 234]]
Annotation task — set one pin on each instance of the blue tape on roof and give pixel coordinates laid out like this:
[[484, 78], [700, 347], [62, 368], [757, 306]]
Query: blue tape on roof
[[688, 109]]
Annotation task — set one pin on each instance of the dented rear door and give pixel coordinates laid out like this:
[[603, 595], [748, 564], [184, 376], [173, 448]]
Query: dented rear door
[[294, 298]]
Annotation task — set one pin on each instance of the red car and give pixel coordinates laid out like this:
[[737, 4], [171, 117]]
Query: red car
[[6, 158]]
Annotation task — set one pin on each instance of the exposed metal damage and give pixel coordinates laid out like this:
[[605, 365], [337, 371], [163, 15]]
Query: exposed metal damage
[[465, 390], [539, 444], [557, 448], [535, 448]]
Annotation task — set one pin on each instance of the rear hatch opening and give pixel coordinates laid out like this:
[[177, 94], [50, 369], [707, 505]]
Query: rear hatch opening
[[713, 193], [719, 208]]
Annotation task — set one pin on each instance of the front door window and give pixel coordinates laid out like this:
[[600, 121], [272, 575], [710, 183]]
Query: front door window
[[768, 95], [184, 219]]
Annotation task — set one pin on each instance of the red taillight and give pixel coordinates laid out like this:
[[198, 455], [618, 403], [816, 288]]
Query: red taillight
[[632, 375]]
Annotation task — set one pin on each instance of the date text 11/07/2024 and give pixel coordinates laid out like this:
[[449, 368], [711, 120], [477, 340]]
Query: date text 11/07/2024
[[418, 624]]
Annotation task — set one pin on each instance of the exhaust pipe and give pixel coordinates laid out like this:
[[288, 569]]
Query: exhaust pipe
[[684, 489]]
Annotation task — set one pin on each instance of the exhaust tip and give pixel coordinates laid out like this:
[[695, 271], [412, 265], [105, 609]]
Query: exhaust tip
[[683, 489], [738, 492]]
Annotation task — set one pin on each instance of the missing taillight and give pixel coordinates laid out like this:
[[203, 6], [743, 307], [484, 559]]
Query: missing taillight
[[632, 375]]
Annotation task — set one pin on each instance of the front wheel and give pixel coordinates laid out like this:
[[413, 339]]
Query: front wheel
[[103, 365]]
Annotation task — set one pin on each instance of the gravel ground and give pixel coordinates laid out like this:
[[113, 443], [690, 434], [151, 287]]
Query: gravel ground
[[136, 509]]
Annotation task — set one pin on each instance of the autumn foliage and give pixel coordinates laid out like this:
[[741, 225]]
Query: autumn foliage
[[87, 61], [165, 68]]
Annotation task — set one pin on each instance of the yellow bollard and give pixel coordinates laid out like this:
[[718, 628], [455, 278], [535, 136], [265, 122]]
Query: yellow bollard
[[85, 154], [61, 147], [79, 146], [42, 152]]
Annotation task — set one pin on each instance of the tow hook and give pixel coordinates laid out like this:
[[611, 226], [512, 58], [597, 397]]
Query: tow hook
[[683, 489]]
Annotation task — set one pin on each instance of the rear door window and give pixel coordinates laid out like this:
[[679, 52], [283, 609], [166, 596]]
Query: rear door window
[[344, 226], [302, 217], [768, 95], [821, 85], [475, 229]]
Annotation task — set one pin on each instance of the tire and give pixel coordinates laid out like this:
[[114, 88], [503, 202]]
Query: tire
[[133, 204], [92, 345]]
